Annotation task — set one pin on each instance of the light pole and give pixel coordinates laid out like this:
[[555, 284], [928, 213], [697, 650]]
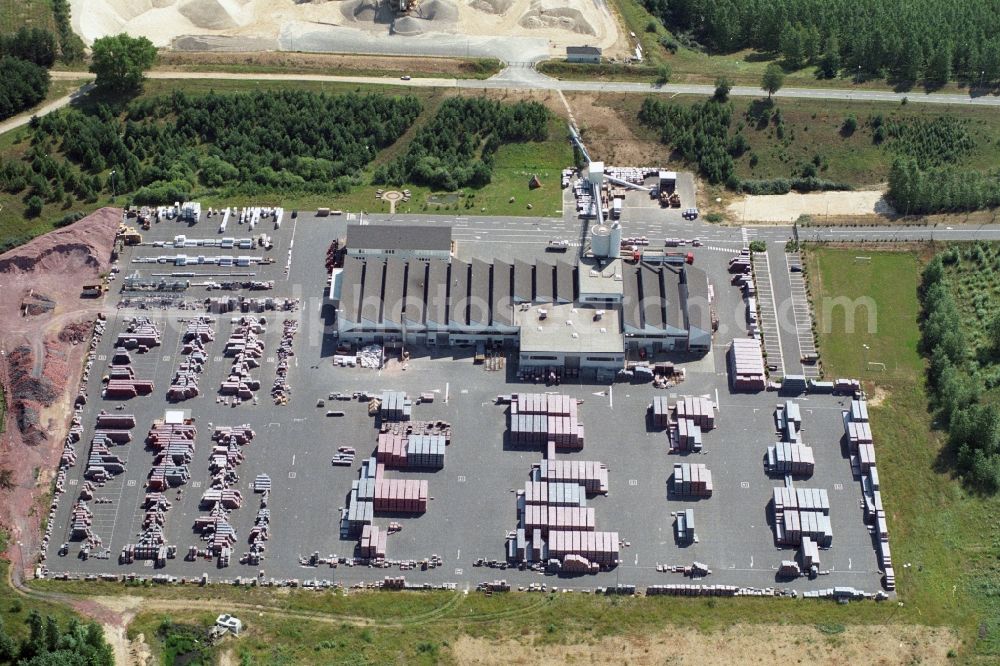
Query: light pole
[[864, 353], [113, 193]]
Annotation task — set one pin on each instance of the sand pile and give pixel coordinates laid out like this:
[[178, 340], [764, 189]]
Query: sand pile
[[44, 353], [213, 14], [366, 11], [498, 7], [551, 14], [430, 16]]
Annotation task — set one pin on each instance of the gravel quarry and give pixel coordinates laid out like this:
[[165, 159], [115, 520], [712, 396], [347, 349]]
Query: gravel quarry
[[515, 30]]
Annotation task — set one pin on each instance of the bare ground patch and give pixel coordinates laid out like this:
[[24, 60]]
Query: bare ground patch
[[745, 644], [608, 134]]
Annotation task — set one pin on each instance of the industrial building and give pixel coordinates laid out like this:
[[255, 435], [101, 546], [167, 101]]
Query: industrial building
[[587, 54], [581, 315], [401, 241]]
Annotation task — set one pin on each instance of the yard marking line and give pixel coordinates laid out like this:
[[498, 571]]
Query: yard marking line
[[611, 397], [293, 459], [458, 556]]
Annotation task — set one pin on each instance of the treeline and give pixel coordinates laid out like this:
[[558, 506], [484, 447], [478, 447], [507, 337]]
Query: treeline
[[954, 380], [32, 44], [904, 39], [23, 84], [916, 191], [70, 44], [164, 148], [48, 644], [700, 134], [457, 146]]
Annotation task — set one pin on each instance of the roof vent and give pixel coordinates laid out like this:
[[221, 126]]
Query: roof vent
[[569, 322], [598, 314], [542, 313], [575, 334], [604, 330]]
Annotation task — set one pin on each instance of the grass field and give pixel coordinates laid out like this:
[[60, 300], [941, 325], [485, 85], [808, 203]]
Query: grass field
[[812, 129], [31, 13], [948, 536]]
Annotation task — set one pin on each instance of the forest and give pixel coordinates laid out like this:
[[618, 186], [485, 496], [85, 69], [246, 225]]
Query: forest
[[960, 329], [943, 189], [699, 133], [23, 84], [48, 644], [456, 147], [164, 148], [902, 40]]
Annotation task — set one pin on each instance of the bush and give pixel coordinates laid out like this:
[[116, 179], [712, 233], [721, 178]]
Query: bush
[[850, 125], [758, 246], [784, 186], [69, 219], [33, 206], [663, 73], [651, 26]]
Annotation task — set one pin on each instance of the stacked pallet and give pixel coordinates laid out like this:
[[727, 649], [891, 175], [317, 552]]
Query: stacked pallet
[[846, 386], [691, 480], [425, 451], [228, 498], [245, 346], [684, 526], [201, 329], [537, 419], [391, 450], [101, 463], [372, 543], [554, 494], [809, 554], [698, 409], [107, 421], [139, 333], [395, 407], [788, 458], [401, 495], [593, 476], [685, 436], [802, 512], [866, 457], [551, 518], [660, 409], [600, 548], [360, 511], [81, 520], [746, 365], [124, 389], [281, 389]]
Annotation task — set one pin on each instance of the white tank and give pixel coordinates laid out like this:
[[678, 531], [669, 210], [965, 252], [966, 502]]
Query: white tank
[[615, 240], [600, 240]]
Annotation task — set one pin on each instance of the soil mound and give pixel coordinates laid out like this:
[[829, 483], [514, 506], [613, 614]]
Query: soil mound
[[498, 7], [212, 14], [550, 15]]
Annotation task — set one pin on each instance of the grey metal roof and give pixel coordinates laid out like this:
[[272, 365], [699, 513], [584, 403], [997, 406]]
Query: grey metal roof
[[480, 300], [565, 282], [392, 293], [399, 237], [502, 293], [697, 308], [371, 291], [524, 281], [416, 292], [459, 298], [437, 292], [583, 50], [350, 290], [651, 293], [631, 316], [544, 282]]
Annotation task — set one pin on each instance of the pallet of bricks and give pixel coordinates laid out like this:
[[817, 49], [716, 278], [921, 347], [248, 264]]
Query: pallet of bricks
[[122, 383], [139, 333], [698, 409], [859, 436], [746, 365], [396, 450], [875, 516], [537, 419], [395, 407], [592, 475], [586, 550], [110, 430], [554, 494], [557, 518], [691, 480], [802, 512], [196, 335], [245, 346], [373, 542]]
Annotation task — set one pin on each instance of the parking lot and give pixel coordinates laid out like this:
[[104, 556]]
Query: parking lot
[[473, 503]]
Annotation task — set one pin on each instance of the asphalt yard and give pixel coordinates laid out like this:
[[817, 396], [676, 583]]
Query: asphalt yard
[[473, 503]]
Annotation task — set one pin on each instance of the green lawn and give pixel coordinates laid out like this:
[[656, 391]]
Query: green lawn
[[949, 536], [31, 13]]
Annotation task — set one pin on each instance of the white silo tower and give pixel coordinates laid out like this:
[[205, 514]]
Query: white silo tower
[[615, 240], [600, 240]]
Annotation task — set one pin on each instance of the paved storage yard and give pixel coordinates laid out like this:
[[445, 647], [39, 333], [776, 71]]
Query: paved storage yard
[[473, 503]]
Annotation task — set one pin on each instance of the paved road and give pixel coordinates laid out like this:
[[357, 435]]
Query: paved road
[[527, 78], [25, 118]]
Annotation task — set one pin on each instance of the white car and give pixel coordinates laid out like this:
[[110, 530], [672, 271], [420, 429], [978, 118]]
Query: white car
[[404, 77]]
